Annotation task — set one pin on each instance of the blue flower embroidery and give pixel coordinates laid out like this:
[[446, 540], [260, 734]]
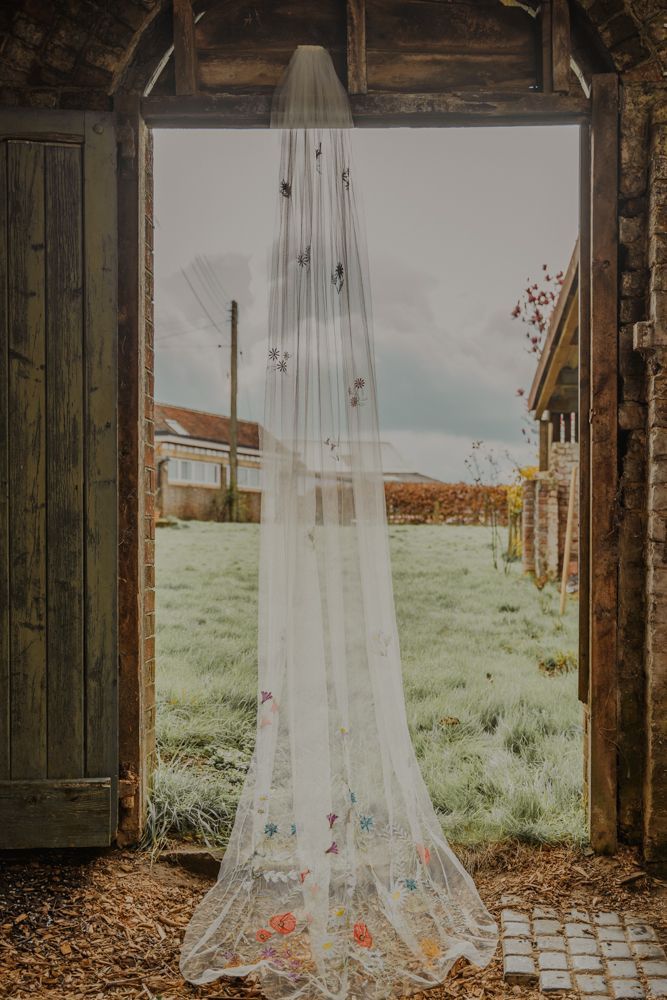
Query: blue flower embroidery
[[353, 797], [270, 829], [293, 828], [366, 823], [410, 884]]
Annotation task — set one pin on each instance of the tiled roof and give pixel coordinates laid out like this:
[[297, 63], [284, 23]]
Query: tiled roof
[[205, 426]]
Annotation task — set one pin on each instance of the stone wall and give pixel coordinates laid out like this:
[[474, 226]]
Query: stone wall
[[650, 341]]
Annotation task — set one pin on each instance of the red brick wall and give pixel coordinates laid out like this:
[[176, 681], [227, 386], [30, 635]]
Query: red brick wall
[[204, 503]]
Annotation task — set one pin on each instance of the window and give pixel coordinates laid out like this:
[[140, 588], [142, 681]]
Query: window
[[175, 426], [248, 477], [188, 471]]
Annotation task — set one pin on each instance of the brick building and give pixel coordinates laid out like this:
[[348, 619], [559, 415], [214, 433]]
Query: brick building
[[82, 84], [192, 463], [554, 402]]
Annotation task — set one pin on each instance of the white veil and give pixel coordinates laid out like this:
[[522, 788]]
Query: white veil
[[337, 881]]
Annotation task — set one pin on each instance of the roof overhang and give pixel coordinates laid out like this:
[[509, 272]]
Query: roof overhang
[[555, 385]]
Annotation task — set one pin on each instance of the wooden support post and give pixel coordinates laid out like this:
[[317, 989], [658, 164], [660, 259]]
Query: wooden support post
[[356, 47], [560, 46], [583, 435], [132, 515], [567, 548], [547, 48], [185, 53], [603, 693], [544, 443], [555, 425]]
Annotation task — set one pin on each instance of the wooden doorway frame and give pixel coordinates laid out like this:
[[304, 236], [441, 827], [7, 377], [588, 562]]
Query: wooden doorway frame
[[598, 119]]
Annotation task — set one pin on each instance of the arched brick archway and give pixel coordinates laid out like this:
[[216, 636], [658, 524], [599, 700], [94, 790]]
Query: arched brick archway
[[95, 55]]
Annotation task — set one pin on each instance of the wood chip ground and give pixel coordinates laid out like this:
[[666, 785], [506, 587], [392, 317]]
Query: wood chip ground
[[110, 925]]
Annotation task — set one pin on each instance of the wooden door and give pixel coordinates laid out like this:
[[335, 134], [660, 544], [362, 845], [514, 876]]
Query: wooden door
[[58, 544]]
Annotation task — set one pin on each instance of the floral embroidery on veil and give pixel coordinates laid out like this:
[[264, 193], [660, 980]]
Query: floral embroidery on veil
[[338, 881]]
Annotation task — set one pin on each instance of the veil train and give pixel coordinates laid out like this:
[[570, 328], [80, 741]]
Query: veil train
[[338, 881]]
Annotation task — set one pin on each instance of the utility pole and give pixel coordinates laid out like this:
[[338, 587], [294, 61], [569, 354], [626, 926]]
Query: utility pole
[[233, 430]]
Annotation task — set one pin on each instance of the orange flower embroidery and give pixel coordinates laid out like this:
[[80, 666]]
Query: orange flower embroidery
[[262, 934], [423, 853], [362, 936], [284, 923], [430, 948]]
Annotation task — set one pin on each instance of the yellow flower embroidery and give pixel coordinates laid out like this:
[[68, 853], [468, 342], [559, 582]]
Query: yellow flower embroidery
[[340, 912], [430, 948]]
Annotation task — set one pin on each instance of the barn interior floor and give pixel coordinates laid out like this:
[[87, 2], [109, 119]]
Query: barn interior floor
[[109, 925]]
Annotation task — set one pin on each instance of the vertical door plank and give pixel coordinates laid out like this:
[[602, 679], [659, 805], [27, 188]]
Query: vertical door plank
[[100, 235], [185, 52], [584, 404], [4, 479], [603, 693], [27, 479], [64, 463], [356, 47]]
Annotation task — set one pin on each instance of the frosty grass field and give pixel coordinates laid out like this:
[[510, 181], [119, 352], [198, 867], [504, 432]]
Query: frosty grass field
[[499, 742]]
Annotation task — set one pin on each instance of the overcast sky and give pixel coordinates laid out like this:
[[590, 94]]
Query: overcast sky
[[457, 219]]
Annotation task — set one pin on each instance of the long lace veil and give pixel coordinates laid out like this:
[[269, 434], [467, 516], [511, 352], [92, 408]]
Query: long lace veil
[[337, 881]]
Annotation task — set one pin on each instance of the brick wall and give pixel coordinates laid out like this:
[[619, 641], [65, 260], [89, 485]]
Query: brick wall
[[204, 503], [564, 455], [544, 519]]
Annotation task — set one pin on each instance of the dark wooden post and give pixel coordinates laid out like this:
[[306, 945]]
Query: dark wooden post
[[185, 54], [133, 517], [544, 443], [547, 46], [356, 47], [560, 46], [584, 404], [603, 755]]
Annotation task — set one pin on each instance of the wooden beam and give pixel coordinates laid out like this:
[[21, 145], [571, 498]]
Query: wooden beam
[[583, 436], [185, 53], [560, 46], [356, 47], [132, 524], [547, 48], [603, 693], [5, 670], [536, 395], [55, 813], [376, 110]]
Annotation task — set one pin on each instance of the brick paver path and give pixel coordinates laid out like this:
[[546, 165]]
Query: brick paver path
[[601, 955]]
